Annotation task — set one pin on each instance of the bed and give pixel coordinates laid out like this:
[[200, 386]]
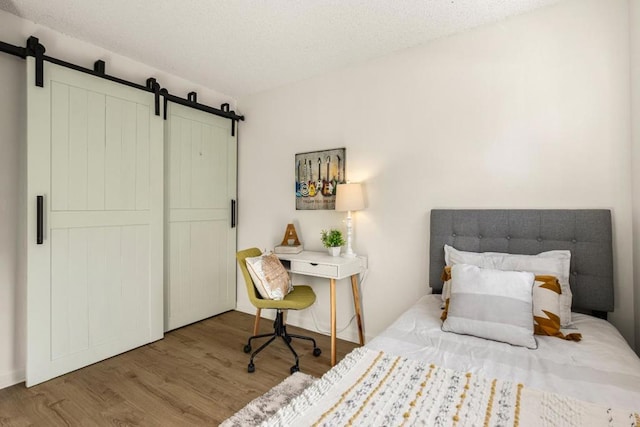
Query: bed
[[414, 373]]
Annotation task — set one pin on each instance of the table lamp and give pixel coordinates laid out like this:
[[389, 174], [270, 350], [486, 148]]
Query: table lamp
[[349, 198]]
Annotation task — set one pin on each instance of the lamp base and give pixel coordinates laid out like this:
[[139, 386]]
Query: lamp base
[[348, 253]]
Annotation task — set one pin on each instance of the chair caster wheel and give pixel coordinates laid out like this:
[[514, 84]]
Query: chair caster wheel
[[294, 369], [251, 368], [247, 348], [317, 352]]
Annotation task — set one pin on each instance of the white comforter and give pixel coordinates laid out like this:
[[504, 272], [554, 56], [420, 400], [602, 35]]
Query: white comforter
[[601, 368]]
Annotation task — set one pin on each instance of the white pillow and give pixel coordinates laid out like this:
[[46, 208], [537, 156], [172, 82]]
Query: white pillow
[[551, 263], [491, 304], [269, 276]]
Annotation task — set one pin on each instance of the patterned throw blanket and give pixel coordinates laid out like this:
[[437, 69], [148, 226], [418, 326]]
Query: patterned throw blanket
[[371, 388]]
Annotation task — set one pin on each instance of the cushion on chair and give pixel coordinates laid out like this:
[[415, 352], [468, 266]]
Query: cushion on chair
[[299, 298], [269, 276]]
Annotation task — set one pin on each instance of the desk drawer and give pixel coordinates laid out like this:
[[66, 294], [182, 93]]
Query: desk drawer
[[322, 270]]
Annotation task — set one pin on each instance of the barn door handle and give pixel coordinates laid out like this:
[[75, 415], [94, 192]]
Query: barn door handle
[[39, 219], [233, 213]]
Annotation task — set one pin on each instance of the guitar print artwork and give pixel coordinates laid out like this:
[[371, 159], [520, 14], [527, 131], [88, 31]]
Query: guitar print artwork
[[317, 174]]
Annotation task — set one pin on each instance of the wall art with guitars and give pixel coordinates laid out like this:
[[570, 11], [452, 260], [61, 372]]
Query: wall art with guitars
[[318, 173]]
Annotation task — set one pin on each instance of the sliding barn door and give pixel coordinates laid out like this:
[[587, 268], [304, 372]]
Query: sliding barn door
[[200, 280], [95, 249]]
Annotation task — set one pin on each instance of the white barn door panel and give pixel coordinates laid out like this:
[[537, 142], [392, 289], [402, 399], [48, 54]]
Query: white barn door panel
[[95, 284], [200, 275]]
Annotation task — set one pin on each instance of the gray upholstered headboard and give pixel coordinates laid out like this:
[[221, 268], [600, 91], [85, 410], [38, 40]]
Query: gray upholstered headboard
[[585, 232]]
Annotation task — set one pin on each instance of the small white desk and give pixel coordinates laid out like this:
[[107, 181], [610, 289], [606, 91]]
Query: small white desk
[[321, 264]]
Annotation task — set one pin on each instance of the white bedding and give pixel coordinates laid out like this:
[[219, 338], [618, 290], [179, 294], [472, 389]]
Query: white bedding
[[601, 368], [373, 388]]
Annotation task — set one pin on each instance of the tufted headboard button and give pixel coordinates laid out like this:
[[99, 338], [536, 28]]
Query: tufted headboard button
[[479, 236], [453, 235], [539, 239], [574, 241], [508, 237]]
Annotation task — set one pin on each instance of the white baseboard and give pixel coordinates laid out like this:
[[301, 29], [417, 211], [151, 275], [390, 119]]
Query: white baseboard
[[249, 309], [10, 378]]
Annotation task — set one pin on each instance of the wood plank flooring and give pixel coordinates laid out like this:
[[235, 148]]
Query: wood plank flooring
[[196, 375]]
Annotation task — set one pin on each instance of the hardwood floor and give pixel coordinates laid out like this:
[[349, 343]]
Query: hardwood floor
[[196, 375]]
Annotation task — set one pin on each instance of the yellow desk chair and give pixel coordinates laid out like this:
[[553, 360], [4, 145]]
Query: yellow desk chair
[[300, 298]]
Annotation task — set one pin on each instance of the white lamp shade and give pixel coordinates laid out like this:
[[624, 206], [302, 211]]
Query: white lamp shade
[[349, 197]]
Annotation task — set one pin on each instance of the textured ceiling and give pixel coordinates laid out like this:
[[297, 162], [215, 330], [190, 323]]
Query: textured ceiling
[[244, 46]]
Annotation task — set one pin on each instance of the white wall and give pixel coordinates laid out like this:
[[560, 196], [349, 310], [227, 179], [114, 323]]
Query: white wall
[[532, 112], [634, 20], [12, 124]]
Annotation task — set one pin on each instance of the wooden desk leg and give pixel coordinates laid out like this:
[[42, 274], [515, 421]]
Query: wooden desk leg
[[333, 322], [356, 303]]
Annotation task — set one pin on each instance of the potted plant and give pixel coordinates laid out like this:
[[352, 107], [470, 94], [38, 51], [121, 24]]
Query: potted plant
[[332, 240]]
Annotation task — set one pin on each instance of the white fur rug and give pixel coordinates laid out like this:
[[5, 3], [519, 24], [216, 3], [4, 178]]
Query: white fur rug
[[266, 405]]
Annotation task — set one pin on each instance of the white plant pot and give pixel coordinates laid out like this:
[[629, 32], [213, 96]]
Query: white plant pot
[[334, 251]]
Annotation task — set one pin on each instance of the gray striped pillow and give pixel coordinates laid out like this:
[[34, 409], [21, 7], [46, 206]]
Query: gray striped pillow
[[491, 304]]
